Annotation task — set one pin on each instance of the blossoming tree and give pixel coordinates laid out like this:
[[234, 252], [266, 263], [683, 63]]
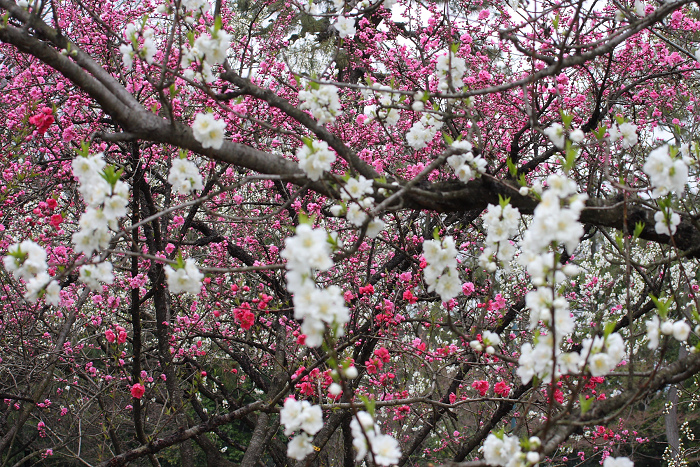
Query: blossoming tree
[[329, 233]]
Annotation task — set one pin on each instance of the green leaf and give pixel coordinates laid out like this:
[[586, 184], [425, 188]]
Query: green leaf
[[369, 404], [448, 139], [638, 229], [555, 21], [567, 119], [84, 150], [217, 23], [609, 328], [600, 132], [619, 119], [454, 47], [436, 233], [585, 403], [512, 169], [503, 201]]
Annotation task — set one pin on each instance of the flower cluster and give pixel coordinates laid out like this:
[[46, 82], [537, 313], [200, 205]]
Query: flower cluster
[[322, 101], [208, 131], [385, 448], [106, 197], [186, 278], [666, 221], [503, 450], [618, 461], [501, 223], [301, 415], [386, 115], [185, 177], [466, 166], [450, 71], [345, 26], [667, 174], [207, 50], [680, 330], [305, 252], [356, 202], [92, 274], [627, 132], [315, 158], [27, 260], [603, 354], [423, 131], [146, 51], [557, 135], [441, 271]]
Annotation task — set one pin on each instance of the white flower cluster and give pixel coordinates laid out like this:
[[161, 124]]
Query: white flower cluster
[[92, 274], [301, 415], [619, 461], [185, 177], [197, 6], [627, 132], [354, 194], [557, 135], [491, 341], [187, 278], [315, 158], [450, 71], [680, 330], [27, 261], [466, 166], [423, 131], [501, 222], [441, 271], [305, 252], [345, 26], [388, 116], [667, 174], [385, 448], [207, 50], [208, 131], [555, 222], [666, 221], [504, 450], [146, 51], [323, 103], [106, 200], [603, 354]]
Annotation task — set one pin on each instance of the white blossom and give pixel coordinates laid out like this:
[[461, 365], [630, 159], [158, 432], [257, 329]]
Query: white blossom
[[208, 131]]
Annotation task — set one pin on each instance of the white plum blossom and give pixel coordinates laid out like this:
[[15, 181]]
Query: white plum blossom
[[501, 450], [389, 116], [601, 362], [385, 448], [187, 278], [323, 103], [450, 70], [653, 332], [627, 132], [667, 222], [681, 331], [198, 6], [208, 131], [300, 446], [308, 250], [423, 131], [184, 176], [556, 134], [91, 274], [466, 166], [501, 223], [666, 174], [345, 26], [441, 273], [300, 415], [315, 158], [618, 461]]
